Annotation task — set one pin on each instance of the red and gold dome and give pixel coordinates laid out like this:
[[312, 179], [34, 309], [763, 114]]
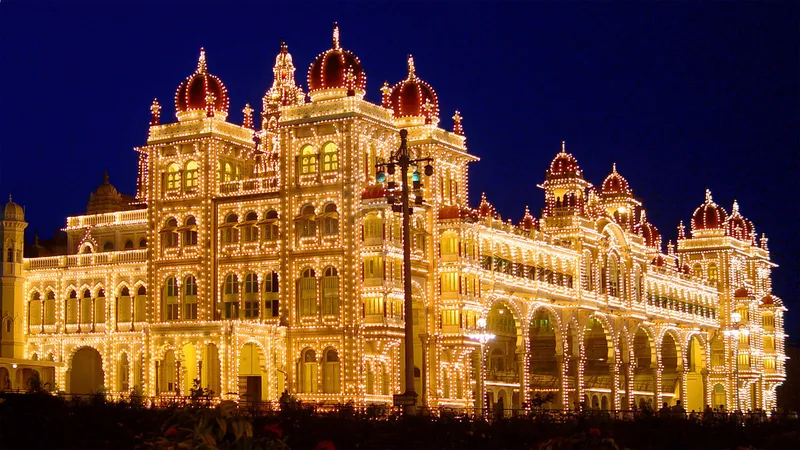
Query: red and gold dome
[[564, 165], [413, 98], [648, 232], [709, 216], [739, 227], [615, 184], [528, 222], [336, 72], [201, 94]]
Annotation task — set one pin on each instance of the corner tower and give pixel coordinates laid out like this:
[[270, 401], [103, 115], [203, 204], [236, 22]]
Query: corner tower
[[12, 281]]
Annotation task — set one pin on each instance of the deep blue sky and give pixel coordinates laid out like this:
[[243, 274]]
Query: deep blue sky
[[682, 96]]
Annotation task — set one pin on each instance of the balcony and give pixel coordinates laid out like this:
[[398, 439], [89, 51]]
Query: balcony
[[86, 260], [251, 186], [138, 216]]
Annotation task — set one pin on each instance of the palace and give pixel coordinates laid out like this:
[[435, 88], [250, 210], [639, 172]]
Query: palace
[[258, 259]]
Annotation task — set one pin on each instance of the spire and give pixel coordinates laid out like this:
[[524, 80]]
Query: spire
[[457, 127], [336, 36], [708, 196], [563, 146], [284, 48], [155, 113], [202, 67], [735, 208], [681, 231], [247, 119], [643, 216], [613, 167], [764, 241], [386, 90], [670, 248], [412, 71], [105, 177], [9, 197]]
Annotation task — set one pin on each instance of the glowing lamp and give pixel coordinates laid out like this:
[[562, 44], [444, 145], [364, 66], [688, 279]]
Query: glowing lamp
[[381, 176], [736, 317], [416, 176], [428, 170], [390, 169]]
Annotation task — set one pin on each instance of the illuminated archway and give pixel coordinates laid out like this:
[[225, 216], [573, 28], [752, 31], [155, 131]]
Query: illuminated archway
[[501, 353], [598, 354], [543, 365], [644, 371], [695, 385], [253, 380], [671, 369], [86, 375]]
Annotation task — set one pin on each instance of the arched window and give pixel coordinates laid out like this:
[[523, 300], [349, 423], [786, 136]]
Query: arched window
[[717, 353], [420, 235], [191, 175], [719, 396], [330, 292], [124, 306], [231, 298], [169, 233], [50, 309], [173, 177], [190, 298], [190, 231], [713, 275], [230, 233], [613, 276], [227, 172], [271, 288], [143, 243], [139, 304], [249, 226], [35, 310], [128, 244], [587, 268], [307, 293], [373, 227], [270, 225], [86, 307], [330, 220], [171, 305], [330, 372], [308, 372], [330, 157], [10, 255], [108, 246], [72, 307], [251, 295], [306, 224], [100, 307], [308, 160]]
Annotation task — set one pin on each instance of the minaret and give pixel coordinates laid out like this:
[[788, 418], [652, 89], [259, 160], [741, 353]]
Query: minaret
[[12, 282], [284, 90], [564, 189]]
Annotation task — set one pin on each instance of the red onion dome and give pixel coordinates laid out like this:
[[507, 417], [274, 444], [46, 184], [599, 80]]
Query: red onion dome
[[528, 222], [413, 97], [686, 269], [337, 68], [709, 216], [202, 91], [485, 209], [768, 300], [741, 292], [738, 226], [564, 164], [614, 184], [648, 232], [659, 261]]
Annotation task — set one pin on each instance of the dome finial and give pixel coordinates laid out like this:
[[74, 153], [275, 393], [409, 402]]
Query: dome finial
[[412, 71], [155, 112], [336, 35], [563, 146], [202, 67], [247, 119], [643, 217], [284, 47], [105, 177], [708, 196], [457, 127], [735, 207], [9, 197], [613, 167]]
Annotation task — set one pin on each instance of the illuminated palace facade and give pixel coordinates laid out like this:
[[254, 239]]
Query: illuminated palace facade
[[258, 258]]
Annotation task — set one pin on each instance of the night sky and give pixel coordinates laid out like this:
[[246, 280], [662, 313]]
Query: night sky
[[683, 96]]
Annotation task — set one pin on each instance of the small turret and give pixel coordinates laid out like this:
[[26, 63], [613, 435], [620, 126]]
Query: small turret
[[12, 281]]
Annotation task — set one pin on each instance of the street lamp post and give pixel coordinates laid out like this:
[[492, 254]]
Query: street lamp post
[[403, 159], [483, 337]]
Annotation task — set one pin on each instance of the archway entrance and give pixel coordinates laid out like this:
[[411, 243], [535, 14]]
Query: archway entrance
[[671, 370], [597, 377], [252, 379], [501, 353], [545, 382], [623, 375], [644, 369], [695, 387], [85, 375], [210, 370]]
